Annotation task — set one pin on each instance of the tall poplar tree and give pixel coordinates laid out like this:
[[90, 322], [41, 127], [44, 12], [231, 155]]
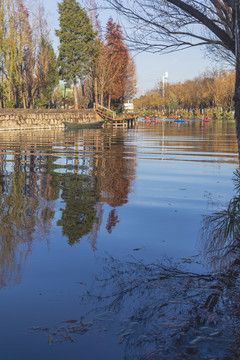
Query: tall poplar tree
[[76, 48], [2, 48]]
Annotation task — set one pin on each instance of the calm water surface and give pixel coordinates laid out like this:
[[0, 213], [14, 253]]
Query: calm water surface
[[103, 243]]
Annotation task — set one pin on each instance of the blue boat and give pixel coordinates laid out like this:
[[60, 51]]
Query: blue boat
[[180, 120]]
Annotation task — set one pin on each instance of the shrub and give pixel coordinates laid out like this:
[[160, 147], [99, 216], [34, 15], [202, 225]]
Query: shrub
[[41, 103], [9, 104]]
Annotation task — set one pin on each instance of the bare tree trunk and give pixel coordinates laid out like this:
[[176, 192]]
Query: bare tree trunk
[[30, 98], [109, 101], [75, 95], [24, 102], [95, 91], [30, 101], [17, 97], [101, 98], [83, 90], [23, 97], [237, 84]]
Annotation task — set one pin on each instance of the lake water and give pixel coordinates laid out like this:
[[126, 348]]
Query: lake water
[[103, 243]]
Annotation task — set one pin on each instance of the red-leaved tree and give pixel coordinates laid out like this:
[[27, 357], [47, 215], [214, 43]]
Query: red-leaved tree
[[117, 53]]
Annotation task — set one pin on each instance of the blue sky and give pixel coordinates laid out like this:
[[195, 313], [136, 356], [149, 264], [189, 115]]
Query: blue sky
[[150, 68]]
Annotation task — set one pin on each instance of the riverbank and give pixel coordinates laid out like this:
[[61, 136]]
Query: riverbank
[[21, 119], [213, 114]]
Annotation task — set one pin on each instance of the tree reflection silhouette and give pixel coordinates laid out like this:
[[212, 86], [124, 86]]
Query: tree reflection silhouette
[[21, 217], [33, 176], [112, 221], [80, 196], [106, 179], [116, 171], [26, 209]]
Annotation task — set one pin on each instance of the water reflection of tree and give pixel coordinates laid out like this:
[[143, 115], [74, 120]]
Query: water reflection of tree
[[80, 195], [31, 181], [107, 179], [160, 311], [26, 209], [21, 217], [116, 171], [164, 311], [193, 138], [172, 313], [221, 232]]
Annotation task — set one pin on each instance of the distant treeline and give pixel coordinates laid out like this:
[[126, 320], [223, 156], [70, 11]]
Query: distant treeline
[[210, 93], [97, 66]]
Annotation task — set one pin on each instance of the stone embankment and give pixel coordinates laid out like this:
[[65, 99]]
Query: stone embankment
[[20, 119]]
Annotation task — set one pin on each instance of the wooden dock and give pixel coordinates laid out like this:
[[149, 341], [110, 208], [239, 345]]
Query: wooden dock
[[111, 119]]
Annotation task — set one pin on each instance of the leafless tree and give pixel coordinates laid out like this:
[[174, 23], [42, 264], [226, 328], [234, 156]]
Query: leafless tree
[[171, 25]]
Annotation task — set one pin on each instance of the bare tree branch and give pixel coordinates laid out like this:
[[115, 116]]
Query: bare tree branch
[[172, 20]]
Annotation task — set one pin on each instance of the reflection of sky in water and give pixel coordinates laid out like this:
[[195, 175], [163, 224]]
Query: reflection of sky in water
[[133, 206]]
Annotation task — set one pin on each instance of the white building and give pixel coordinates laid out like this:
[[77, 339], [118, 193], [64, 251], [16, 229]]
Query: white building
[[128, 106]]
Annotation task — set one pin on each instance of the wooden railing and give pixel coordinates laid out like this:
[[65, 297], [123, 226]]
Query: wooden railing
[[104, 112], [110, 117]]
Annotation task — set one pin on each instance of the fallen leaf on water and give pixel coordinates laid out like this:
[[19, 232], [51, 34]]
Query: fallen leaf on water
[[70, 321], [121, 340], [39, 328]]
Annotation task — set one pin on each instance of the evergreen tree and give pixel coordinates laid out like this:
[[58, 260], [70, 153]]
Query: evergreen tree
[[76, 48]]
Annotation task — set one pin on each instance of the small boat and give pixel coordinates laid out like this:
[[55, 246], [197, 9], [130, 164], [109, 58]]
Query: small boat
[[180, 120], [93, 125], [147, 118], [206, 118]]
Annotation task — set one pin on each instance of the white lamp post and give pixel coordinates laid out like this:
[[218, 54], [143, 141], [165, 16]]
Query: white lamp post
[[165, 79]]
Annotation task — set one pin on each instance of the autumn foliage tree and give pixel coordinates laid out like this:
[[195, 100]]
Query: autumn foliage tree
[[115, 69], [213, 90], [111, 74], [23, 35], [118, 54]]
